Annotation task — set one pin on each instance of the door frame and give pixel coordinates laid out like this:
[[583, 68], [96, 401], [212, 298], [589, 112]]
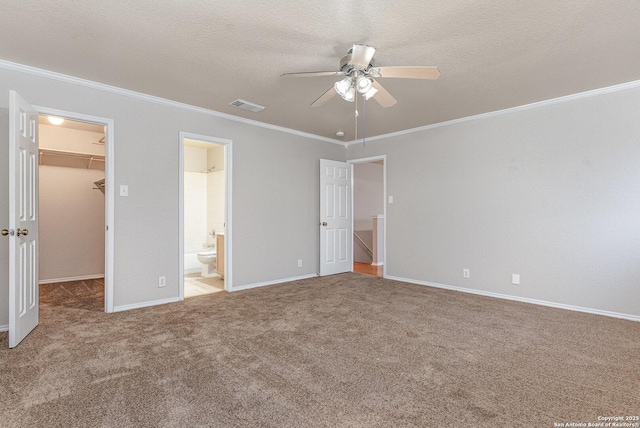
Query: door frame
[[371, 159], [228, 165], [109, 193]]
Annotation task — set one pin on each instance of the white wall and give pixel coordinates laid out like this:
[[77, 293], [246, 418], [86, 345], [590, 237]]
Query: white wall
[[275, 218], [195, 211], [550, 193], [216, 186], [71, 222], [204, 196]]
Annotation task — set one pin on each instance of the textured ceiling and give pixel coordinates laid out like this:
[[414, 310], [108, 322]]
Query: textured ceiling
[[492, 54]]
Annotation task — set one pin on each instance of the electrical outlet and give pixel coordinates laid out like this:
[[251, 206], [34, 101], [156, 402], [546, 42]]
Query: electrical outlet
[[300, 263], [515, 279], [162, 281], [466, 273]]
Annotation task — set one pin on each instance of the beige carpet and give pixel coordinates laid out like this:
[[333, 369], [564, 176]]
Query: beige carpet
[[339, 351]]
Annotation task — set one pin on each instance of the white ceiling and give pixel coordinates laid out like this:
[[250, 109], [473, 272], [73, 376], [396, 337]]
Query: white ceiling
[[493, 54]]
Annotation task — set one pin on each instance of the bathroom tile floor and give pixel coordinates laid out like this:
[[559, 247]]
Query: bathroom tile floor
[[196, 285]]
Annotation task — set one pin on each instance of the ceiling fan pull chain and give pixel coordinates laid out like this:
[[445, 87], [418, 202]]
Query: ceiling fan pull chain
[[364, 122], [356, 120]]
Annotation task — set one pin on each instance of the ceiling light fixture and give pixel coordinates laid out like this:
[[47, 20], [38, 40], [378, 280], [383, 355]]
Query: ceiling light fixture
[[55, 120], [350, 95], [348, 86], [364, 84], [370, 93], [343, 86]]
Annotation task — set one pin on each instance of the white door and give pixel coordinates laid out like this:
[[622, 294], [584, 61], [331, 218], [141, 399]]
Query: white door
[[23, 219], [336, 237]]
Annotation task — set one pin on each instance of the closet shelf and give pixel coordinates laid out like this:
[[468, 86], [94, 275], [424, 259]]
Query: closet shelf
[[69, 159]]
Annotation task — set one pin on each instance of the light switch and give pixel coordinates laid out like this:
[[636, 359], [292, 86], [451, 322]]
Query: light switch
[[390, 199], [124, 190]]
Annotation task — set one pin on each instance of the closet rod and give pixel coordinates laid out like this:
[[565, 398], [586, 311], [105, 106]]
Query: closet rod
[[75, 155]]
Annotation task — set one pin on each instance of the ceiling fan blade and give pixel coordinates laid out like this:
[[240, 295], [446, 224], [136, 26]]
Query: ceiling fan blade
[[383, 97], [407, 72], [312, 74], [361, 55], [324, 97]]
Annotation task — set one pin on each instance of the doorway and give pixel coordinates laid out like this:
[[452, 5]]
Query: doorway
[[204, 215], [369, 215], [76, 207]]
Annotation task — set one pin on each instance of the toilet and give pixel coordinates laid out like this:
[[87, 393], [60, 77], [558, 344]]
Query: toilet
[[208, 260]]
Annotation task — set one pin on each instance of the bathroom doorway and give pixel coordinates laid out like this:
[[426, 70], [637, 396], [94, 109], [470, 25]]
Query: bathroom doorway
[[204, 227]]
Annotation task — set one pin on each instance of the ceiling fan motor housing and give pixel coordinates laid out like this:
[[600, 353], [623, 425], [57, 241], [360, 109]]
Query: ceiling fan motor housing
[[347, 68]]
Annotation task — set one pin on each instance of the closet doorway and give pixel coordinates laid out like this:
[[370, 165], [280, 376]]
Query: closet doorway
[[72, 223]]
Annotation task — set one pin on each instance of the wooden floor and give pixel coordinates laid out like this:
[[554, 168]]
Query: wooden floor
[[367, 269]]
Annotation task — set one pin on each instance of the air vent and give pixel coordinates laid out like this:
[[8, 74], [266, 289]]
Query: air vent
[[246, 105]]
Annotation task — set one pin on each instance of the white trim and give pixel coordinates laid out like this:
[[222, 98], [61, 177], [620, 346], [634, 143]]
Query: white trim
[[4, 327], [8, 65], [370, 159], [145, 304], [156, 100], [276, 281], [587, 94], [109, 194], [519, 299], [228, 238], [73, 278]]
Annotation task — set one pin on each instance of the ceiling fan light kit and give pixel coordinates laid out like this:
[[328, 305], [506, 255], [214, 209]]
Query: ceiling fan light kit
[[370, 93], [364, 84], [358, 67]]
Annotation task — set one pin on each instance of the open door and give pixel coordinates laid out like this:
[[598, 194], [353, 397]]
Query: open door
[[23, 219], [336, 236]]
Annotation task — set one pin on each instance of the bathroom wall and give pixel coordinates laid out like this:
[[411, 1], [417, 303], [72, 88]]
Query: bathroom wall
[[195, 199], [204, 196], [215, 202]]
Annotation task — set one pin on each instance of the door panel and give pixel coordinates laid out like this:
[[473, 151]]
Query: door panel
[[335, 217], [23, 219]]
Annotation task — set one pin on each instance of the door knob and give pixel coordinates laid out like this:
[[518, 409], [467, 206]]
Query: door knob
[[24, 232], [6, 232], [324, 223]]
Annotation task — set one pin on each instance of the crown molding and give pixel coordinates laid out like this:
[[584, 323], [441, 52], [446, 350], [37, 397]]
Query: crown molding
[[567, 98], [7, 65]]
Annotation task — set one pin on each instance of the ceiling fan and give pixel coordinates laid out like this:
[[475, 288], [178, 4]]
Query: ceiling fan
[[360, 71]]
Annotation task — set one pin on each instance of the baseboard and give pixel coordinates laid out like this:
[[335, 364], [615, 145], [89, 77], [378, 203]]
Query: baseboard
[[4, 327], [72, 278], [277, 281], [377, 264], [519, 299], [145, 304]]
